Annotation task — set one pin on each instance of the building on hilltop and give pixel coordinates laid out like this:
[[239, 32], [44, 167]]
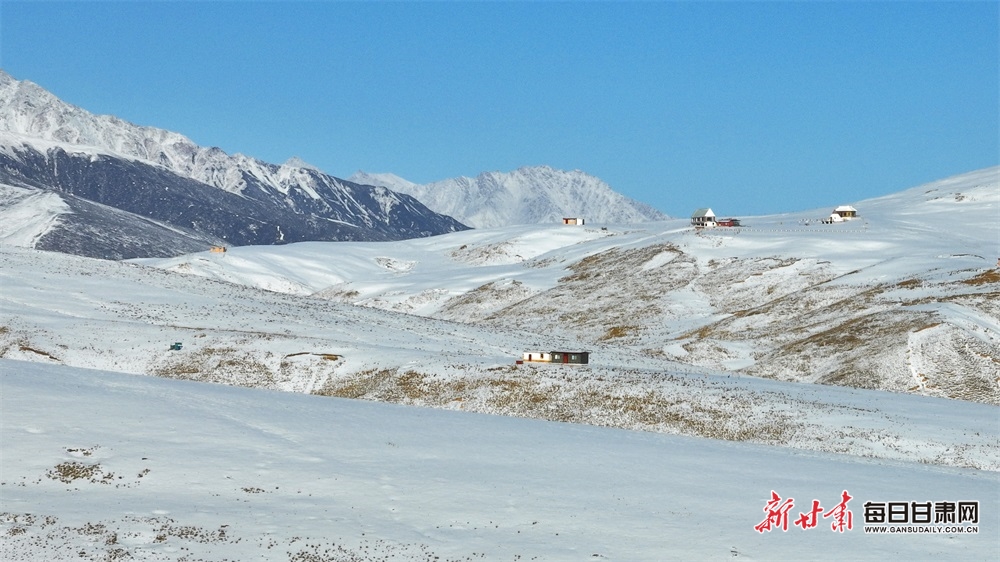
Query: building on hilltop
[[567, 357], [846, 212], [702, 218], [841, 214]]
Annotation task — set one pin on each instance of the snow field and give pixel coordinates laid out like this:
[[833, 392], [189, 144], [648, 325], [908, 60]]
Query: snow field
[[152, 469]]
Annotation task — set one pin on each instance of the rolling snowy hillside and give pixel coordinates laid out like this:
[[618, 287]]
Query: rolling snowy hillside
[[97, 314], [903, 298], [529, 195]]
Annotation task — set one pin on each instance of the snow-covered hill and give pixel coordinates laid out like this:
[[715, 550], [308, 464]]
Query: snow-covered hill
[[529, 195], [199, 193], [903, 298], [97, 314]]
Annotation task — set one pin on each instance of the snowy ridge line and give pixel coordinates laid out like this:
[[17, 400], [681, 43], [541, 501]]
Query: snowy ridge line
[[161, 175]]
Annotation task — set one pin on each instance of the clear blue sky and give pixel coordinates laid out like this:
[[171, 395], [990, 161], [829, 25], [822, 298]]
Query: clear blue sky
[[749, 108]]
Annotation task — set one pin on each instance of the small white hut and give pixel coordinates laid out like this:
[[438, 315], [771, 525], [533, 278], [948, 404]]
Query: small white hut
[[846, 212], [841, 214], [702, 218]]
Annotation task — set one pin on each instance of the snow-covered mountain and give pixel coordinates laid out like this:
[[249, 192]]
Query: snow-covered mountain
[[529, 195], [197, 192]]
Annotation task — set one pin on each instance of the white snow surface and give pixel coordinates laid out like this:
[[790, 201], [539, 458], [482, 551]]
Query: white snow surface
[[394, 273], [107, 466], [28, 214], [528, 195]]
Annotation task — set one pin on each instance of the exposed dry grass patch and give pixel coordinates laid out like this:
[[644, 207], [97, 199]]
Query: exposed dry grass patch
[[858, 332], [70, 471], [615, 262], [327, 356], [358, 385], [750, 312], [589, 266], [225, 365], [988, 276], [29, 349], [535, 393], [337, 293], [616, 332], [704, 332]]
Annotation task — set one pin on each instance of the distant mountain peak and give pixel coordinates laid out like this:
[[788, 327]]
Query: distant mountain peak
[[383, 179], [296, 162], [527, 195]]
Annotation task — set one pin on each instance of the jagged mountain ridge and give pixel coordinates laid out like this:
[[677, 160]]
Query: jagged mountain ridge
[[47, 144], [528, 195]]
